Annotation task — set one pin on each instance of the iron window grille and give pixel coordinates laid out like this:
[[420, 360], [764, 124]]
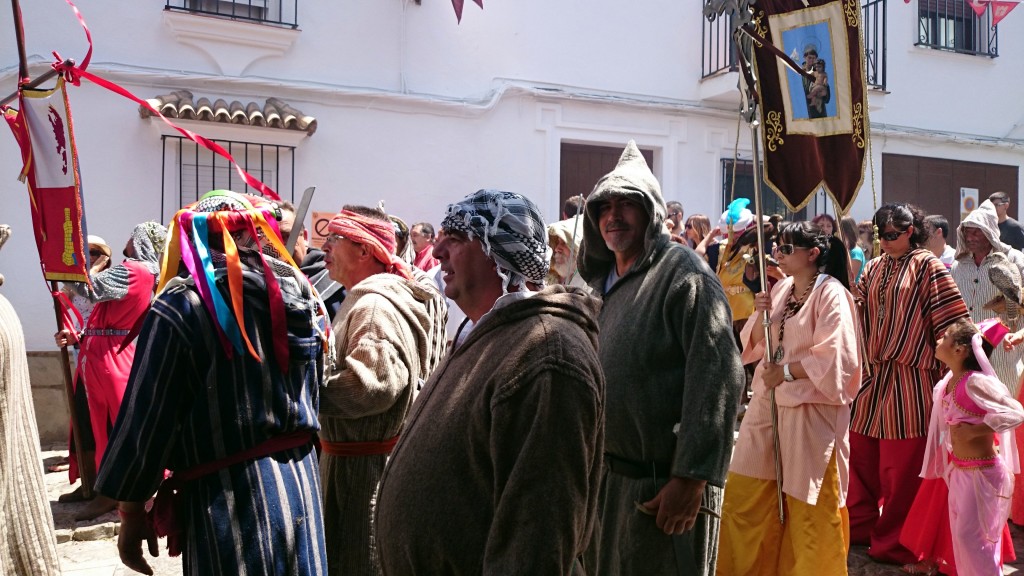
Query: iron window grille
[[189, 171], [719, 53], [875, 33], [953, 26], [770, 201], [276, 12]]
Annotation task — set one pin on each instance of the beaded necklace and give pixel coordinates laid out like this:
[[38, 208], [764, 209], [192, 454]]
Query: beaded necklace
[[793, 306], [891, 265]]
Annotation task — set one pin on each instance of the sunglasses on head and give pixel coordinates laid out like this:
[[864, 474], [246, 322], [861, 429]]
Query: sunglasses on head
[[787, 249], [891, 236]]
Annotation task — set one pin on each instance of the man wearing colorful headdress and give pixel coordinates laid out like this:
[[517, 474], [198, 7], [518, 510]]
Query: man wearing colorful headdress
[[390, 336], [223, 393], [498, 469], [673, 378], [121, 295]]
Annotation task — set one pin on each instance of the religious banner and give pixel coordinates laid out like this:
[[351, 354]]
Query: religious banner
[[1000, 9], [43, 129], [814, 125]]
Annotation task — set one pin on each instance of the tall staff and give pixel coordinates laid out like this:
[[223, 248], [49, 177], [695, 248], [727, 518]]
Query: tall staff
[[24, 82], [751, 114]]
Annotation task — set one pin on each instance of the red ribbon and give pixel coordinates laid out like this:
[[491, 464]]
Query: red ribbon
[[68, 313], [74, 74]]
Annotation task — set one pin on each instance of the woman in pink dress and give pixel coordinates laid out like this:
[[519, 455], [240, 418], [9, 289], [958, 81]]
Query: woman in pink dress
[[121, 295]]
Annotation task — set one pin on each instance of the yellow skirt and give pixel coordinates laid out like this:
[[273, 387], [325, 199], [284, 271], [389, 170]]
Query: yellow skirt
[[815, 540]]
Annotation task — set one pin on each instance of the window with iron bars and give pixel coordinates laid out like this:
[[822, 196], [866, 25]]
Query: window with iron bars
[[189, 171], [770, 201], [276, 12], [952, 25], [718, 52]]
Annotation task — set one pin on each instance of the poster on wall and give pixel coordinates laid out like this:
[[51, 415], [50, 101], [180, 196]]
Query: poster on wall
[[318, 232], [968, 201]]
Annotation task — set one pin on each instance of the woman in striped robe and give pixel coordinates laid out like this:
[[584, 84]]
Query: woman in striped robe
[[907, 299]]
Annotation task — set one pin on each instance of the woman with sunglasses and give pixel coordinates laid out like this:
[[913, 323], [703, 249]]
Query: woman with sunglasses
[[814, 370], [907, 299], [696, 230]]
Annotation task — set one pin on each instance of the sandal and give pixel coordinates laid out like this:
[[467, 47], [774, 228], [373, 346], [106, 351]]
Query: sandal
[[922, 568]]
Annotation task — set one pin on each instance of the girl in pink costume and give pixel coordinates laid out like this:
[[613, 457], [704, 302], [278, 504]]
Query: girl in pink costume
[[971, 446]]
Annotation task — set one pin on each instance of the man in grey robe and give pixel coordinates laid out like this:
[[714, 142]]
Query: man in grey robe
[[673, 378]]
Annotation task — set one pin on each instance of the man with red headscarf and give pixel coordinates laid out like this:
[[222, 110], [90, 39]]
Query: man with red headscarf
[[389, 335]]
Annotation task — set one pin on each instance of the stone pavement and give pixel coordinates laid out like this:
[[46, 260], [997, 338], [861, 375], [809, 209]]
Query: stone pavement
[[90, 548]]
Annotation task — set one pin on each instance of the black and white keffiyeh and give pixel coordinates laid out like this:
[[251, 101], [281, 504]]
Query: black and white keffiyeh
[[512, 231]]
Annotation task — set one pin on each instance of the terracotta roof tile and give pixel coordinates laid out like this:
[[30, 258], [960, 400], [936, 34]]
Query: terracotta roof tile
[[274, 113]]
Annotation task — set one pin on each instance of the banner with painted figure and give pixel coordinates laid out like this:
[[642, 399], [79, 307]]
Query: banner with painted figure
[[43, 129], [814, 126]]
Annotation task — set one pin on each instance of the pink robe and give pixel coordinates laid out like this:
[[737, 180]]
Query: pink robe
[[979, 490], [103, 370], [813, 412]]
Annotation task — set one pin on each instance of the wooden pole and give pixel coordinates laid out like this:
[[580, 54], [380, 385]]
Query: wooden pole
[[759, 222], [85, 472]]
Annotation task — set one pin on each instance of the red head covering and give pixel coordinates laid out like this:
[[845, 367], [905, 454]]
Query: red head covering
[[378, 235]]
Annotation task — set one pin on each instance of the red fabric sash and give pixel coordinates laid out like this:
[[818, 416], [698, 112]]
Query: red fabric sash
[[346, 449], [163, 516]]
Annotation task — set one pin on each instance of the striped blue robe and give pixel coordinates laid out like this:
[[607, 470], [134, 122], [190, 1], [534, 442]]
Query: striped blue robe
[[188, 404]]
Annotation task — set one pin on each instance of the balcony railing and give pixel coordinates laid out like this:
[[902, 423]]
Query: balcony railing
[[274, 12], [719, 51], [952, 25], [873, 21]]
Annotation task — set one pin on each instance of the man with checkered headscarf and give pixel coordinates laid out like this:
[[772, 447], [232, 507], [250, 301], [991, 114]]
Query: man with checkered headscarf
[[498, 467], [674, 377], [390, 336]]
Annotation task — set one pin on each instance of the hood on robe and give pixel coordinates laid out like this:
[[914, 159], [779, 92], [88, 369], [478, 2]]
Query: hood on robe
[[419, 302], [984, 218], [570, 233], [631, 177]]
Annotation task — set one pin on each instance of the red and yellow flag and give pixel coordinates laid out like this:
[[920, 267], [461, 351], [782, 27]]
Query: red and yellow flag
[[43, 129]]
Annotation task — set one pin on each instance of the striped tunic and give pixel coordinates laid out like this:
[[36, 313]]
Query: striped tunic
[[389, 336], [187, 404], [907, 304], [28, 546], [977, 290]]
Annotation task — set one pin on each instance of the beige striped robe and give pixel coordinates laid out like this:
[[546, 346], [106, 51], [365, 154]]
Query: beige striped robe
[[28, 546]]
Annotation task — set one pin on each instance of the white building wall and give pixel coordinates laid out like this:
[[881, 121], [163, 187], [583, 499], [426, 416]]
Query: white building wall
[[417, 111]]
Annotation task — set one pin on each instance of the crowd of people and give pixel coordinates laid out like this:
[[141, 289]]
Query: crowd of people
[[505, 395]]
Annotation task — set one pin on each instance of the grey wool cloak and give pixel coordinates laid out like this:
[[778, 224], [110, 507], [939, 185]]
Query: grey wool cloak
[[673, 379], [498, 469]]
